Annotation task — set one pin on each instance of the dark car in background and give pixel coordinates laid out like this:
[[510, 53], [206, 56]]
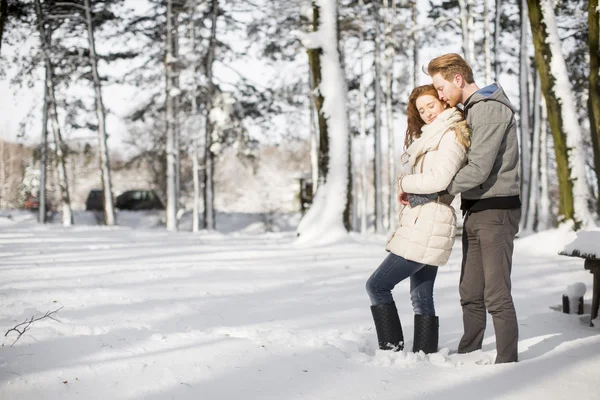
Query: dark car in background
[[139, 200], [95, 200]]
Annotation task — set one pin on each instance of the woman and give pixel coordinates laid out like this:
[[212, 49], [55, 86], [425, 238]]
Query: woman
[[436, 145]]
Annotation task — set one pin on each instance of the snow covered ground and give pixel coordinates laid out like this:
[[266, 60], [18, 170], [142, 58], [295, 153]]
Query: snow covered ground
[[149, 314]]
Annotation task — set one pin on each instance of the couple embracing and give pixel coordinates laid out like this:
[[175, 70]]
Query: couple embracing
[[472, 150]]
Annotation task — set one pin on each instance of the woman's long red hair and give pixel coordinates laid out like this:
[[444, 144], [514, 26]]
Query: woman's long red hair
[[414, 121]]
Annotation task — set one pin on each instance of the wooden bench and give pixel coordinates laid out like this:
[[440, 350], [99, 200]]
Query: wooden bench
[[587, 246]]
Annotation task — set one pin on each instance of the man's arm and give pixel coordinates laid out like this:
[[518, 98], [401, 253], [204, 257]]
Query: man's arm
[[488, 122], [449, 159]]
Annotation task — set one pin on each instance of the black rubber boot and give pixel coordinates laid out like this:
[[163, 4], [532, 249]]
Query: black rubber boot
[[426, 334], [388, 327]]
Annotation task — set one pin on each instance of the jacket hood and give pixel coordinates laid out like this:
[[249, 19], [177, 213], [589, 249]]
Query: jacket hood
[[491, 92]]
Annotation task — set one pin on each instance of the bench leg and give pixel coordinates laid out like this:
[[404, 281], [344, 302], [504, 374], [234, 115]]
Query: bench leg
[[595, 297]]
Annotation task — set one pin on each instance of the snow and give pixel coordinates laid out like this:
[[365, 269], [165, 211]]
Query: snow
[[323, 223], [562, 91], [151, 314], [576, 290], [585, 244]]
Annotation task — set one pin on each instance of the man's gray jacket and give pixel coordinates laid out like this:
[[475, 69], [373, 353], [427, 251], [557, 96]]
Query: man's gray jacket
[[490, 180]]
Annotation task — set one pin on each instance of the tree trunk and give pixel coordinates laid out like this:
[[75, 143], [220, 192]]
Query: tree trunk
[[470, 32], [594, 87], [562, 117], [377, 167], [416, 45], [3, 16], [364, 161], [196, 167], [42, 212], [4, 186], [328, 213], [525, 132], [67, 213], [534, 171], [347, 214], [390, 15], [109, 212], [209, 156], [171, 159], [486, 43], [544, 208], [195, 127], [314, 134], [466, 25], [314, 59], [497, 40], [177, 116]]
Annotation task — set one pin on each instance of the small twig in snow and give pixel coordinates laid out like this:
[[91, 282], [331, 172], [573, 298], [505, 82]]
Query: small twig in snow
[[28, 323]]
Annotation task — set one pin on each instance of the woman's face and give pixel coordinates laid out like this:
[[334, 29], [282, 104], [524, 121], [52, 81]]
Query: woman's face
[[429, 107]]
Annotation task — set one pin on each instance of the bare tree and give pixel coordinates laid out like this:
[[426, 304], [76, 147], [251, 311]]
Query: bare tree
[[415, 43], [377, 165], [574, 193], [209, 157], [497, 16], [486, 43], [466, 25], [544, 204], [363, 131], [525, 133], [42, 211], [389, 17], [195, 125], [314, 135], [534, 170], [330, 209], [109, 211], [171, 142], [45, 38], [594, 86]]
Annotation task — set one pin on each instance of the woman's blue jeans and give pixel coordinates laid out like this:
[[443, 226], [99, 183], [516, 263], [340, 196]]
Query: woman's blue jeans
[[395, 269]]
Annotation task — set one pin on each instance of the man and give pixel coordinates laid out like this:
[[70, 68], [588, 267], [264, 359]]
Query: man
[[489, 184]]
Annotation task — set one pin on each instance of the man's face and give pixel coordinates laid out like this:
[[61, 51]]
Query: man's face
[[449, 92]]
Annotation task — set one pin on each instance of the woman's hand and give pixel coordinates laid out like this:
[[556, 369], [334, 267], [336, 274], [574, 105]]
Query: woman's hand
[[403, 198]]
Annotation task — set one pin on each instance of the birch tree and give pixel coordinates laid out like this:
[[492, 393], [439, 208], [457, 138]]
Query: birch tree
[[209, 158], [364, 159], [525, 133], [377, 163], [45, 39], [544, 203], [466, 25], [534, 171], [594, 86], [42, 211], [109, 212], [170, 93], [314, 59], [390, 53], [195, 123], [486, 43], [324, 221], [574, 193], [498, 17], [415, 43]]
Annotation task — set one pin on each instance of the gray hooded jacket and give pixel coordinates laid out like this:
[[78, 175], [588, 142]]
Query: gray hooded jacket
[[492, 171]]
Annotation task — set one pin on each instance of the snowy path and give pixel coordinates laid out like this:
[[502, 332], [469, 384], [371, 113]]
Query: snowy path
[[155, 315]]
